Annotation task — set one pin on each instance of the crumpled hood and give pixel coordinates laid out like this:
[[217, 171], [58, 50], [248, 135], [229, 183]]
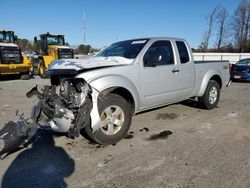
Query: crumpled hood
[[92, 62]]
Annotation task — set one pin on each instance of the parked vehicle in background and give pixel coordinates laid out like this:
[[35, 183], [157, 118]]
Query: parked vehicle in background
[[50, 47], [11, 59], [241, 70]]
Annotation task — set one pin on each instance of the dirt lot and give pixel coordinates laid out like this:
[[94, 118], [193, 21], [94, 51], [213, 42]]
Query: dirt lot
[[198, 148]]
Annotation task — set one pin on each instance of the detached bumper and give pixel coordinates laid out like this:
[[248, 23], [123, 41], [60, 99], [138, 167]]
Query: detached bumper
[[14, 136]]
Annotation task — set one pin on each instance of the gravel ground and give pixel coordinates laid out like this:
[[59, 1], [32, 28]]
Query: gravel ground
[[176, 146]]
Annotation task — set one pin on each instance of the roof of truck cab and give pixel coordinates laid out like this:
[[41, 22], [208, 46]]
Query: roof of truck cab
[[165, 38], [157, 38]]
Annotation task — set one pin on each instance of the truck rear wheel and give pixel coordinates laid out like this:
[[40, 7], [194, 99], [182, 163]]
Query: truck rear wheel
[[115, 114], [211, 97]]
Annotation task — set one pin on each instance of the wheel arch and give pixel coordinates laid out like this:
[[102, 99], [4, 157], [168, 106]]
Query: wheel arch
[[119, 85], [210, 75], [123, 92]]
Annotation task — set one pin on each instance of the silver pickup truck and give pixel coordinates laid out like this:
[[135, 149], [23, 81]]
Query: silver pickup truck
[[100, 95]]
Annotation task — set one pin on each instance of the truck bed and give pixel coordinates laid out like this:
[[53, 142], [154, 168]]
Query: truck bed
[[204, 68]]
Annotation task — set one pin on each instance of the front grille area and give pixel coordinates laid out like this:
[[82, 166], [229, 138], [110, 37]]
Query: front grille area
[[65, 54], [10, 55]]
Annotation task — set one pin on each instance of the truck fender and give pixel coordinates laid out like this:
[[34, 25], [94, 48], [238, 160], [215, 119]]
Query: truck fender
[[113, 81], [207, 78]]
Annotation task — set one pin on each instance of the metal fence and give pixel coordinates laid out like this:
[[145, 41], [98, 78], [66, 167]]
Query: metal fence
[[231, 57]]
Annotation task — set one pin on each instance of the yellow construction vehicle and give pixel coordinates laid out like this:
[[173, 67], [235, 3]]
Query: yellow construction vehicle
[[50, 47], [11, 59]]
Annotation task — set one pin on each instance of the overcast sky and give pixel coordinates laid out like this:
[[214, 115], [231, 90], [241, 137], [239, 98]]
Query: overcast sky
[[108, 21]]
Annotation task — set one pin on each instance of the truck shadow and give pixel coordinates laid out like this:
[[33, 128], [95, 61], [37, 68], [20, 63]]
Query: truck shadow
[[192, 104], [43, 165], [9, 77], [12, 77]]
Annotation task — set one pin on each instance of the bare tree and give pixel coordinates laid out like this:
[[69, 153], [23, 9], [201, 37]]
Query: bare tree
[[211, 18], [222, 31], [241, 21]]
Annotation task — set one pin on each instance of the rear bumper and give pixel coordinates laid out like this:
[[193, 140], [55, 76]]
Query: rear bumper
[[14, 69], [240, 76]]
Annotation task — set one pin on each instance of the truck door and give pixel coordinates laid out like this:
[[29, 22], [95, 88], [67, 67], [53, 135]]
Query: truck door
[[187, 70], [160, 81]]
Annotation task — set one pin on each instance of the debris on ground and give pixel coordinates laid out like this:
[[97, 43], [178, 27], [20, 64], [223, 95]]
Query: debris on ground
[[161, 135], [102, 163]]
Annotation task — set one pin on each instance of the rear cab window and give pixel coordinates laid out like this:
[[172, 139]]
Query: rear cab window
[[183, 51]]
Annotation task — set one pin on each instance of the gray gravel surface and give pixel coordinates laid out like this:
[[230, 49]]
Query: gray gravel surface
[[179, 145]]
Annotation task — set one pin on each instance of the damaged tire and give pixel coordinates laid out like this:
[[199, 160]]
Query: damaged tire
[[211, 97], [115, 114]]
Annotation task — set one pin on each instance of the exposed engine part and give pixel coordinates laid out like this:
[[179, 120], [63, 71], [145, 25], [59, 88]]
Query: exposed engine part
[[60, 104], [62, 124], [66, 107]]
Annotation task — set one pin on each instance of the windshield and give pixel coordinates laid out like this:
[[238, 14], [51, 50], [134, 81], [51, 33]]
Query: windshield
[[6, 37], [243, 62], [55, 40], [128, 49]]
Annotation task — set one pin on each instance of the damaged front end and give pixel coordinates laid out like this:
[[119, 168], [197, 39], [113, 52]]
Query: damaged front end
[[62, 105], [66, 106]]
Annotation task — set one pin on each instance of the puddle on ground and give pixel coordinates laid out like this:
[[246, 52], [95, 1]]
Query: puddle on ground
[[164, 116], [162, 135]]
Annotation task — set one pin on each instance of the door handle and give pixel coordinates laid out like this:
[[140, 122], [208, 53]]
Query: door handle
[[175, 70]]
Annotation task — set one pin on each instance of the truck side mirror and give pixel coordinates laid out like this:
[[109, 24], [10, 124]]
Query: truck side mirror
[[35, 39], [153, 60]]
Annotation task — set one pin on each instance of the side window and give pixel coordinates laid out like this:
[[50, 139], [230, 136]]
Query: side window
[[159, 53], [183, 52]]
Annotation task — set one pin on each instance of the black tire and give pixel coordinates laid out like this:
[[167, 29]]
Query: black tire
[[42, 70], [211, 97], [112, 101], [35, 71], [24, 76]]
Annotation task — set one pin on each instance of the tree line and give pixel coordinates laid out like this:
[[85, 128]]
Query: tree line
[[27, 45], [232, 31]]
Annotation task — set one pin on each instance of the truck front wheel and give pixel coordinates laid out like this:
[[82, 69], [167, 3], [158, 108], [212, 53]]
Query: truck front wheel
[[211, 96], [115, 114], [42, 70]]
